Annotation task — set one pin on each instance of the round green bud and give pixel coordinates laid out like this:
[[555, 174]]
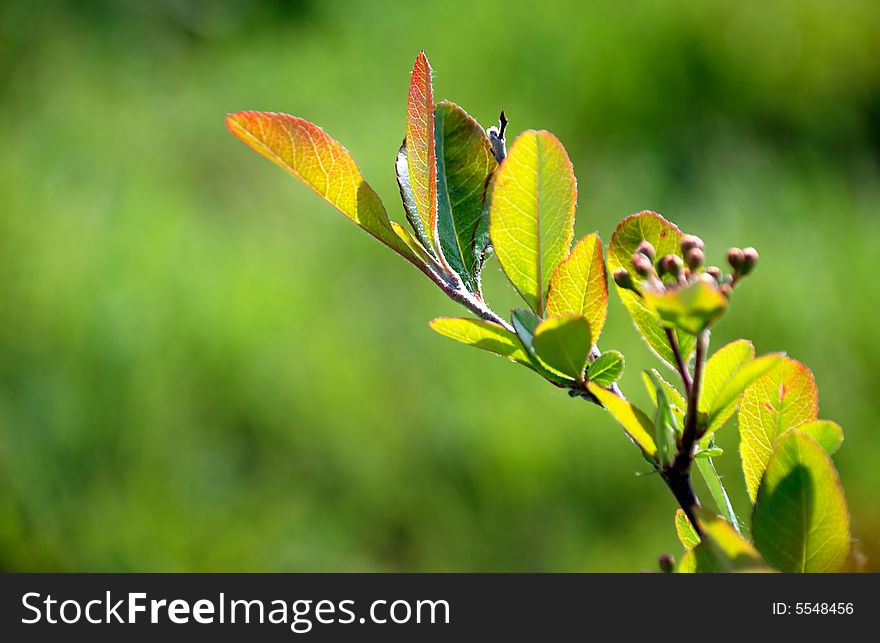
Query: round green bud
[[735, 258], [645, 248], [671, 265], [642, 264], [694, 258], [750, 260], [689, 242], [622, 278]]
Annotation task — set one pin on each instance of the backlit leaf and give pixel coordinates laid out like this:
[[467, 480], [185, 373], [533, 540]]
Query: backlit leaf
[[685, 530], [728, 372], [563, 343], [666, 239], [322, 163], [637, 426], [783, 399], [579, 285], [404, 185], [691, 308], [606, 369], [724, 550], [828, 434], [531, 215], [801, 522], [465, 164], [420, 154], [674, 397], [484, 335]]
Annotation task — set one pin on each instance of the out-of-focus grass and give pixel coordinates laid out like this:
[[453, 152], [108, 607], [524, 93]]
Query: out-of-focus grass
[[202, 367]]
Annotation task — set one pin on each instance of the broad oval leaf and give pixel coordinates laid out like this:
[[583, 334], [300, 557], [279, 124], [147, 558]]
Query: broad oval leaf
[[728, 373], [563, 344], [465, 165], [783, 399], [724, 550], [826, 433], [685, 531], [606, 369], [531, 216], [801, 522], [666, 239], [579, 285], [638, 427], [420, 153], [322, 163], [482, 334], [690, 309]]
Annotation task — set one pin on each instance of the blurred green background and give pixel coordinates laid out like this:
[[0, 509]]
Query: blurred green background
[[204, 368]]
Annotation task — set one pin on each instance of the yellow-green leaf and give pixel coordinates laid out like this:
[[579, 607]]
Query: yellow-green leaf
[[637, 426], [563, 344], [322, 163], [783, 399], [673, 396], [828, 434], [606, 369], [691, 308], [666, 239], [465, 164], [420, 153], [483, 335], [727, 374], [579, 285], [724, 550], [801, 522], [685, 530], [531, 216], [408, 198]]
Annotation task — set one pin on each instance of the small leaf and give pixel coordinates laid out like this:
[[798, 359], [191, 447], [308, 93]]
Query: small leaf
[[531, 215], [691, 308], [524, 323], [579, 285], [685, 530], [637, 426], [676, 400], [728, 372], [322, 163], [712, 452], [465, 164], [783, 399], [666, 426], [420, 153], [828, 434], [724, 550], [401, 168], [563, 343], [483, 335], [666, 239], [801, 522], [606, 369]]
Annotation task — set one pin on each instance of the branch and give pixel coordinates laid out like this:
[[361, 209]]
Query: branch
[[679, 360]]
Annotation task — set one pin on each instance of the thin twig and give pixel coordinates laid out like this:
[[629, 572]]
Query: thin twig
[[679, 360]]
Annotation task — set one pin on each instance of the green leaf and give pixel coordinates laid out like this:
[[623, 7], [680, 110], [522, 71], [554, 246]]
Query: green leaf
[[801, 522], [666, 239], [783, 399], [483, 335], [724, 550], [563, 344], [685, 530], [465, 164], [676, 400], [524, 323], [409, 200], [531, 215], [828, 434], [637, 426], [579, 285], [306, 152], [728, 372], [666, 426], [716, 488], [691, 308], [606, 369]]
